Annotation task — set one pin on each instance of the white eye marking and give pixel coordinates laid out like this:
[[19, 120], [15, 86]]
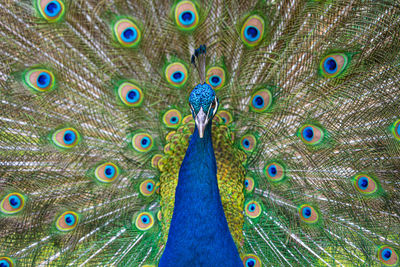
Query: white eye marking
[[216, 102], [213, 104]]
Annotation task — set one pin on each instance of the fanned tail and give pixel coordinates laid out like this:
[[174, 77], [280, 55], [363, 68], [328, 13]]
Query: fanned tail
[[93, 101]]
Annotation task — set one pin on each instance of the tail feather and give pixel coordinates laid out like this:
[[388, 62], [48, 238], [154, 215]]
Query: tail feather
[[322, 152]]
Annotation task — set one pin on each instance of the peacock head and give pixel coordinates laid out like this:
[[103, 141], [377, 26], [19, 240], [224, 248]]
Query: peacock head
[[203, 104]]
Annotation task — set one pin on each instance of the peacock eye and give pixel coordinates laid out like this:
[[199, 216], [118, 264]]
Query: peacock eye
[[66, 138], [147, 187], [172, 118], [107, 172], [253, 31], [311, 134], [186, 16], [67, 221], [248, 142], [388, 256], [40, 80], [308, 214], [249, 184], [251, 260], [144, 221], [333, 65], [365, 184], [216, 77], [261, 100], [130, 94], [12, 203], [127, 32], [226, 116], [142, 142], [176, 74], [52, 11], [274, 171], [253, 209], [6, 262]]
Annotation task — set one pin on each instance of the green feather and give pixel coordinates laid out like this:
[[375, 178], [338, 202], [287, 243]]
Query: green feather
[[329, 64]]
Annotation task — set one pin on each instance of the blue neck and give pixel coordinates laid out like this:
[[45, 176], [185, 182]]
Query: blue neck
[[199, 233]]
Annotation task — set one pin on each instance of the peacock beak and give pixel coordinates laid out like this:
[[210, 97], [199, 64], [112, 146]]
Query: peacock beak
[[201, 121]]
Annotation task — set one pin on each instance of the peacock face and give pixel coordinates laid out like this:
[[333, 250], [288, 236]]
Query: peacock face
[[204, 104]]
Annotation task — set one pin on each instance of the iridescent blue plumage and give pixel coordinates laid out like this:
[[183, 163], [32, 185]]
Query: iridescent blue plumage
[[202, 96], [199, 233]]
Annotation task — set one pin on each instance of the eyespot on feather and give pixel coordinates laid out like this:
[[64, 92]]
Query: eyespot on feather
[[142, 142], [187, 119], [333, 65], [248, 142], [147, 187], [167, 149], [365, 184], [107, 172], [176, 74], [127, 32], [155, 159], [67, 221], [388, 256], [51, 10], [130, 94], [251, 260], [159, 216], [253, 209], [12, 203], [186, 15], [191, 126], [311, 134], [161, 164], [274, 171], [215, 77], [261, 100], [6, 262], [249, 184], [252, 31], [396, 130], [217, 119], [172, 118], [40, 80], [144, 221], [169, 136], [308, 214], [66, 138], [226, 116]]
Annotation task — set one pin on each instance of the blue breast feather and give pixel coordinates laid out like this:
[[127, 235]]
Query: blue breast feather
[[199, 233]]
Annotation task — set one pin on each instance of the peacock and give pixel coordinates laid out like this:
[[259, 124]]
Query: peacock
[[200, 133]]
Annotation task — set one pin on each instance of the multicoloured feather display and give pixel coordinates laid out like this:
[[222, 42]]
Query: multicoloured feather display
[[199, 133]]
